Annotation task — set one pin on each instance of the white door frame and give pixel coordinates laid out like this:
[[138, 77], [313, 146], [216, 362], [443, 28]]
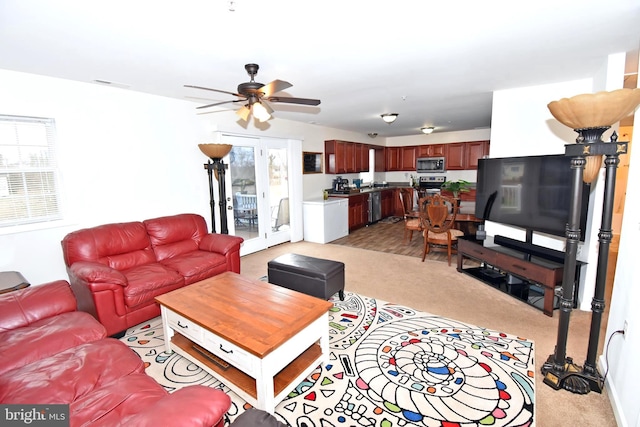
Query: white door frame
[[266, 236]]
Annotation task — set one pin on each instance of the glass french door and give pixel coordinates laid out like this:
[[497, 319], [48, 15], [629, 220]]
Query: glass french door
[[258, 190]]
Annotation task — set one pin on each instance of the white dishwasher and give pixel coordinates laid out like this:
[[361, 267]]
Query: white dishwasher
[[325, 220]]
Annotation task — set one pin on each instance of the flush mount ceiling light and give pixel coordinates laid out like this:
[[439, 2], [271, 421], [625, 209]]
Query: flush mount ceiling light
[[372, 135], [389, 117], [427, 130]]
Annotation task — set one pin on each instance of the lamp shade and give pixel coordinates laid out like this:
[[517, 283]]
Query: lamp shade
[[591, 110], [215, 151]]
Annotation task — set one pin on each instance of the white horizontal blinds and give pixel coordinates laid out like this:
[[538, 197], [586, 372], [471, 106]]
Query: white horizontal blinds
[[29, 191]]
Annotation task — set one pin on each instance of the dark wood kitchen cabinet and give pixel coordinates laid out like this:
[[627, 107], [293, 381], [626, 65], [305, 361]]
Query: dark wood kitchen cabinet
[[349, 157], [392, 158], [362, 157], [334, 156], [358, 211], [408, 159], [455, 156], [387, 199], [379, 159], [431, 150], [476, 150], [400, 158], [465, 155], [345, 157]]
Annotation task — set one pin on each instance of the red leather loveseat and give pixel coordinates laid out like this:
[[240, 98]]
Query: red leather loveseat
[[116, 270], [52, 354]]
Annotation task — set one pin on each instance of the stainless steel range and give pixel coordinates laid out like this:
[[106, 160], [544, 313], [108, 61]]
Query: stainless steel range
[[431, 184]]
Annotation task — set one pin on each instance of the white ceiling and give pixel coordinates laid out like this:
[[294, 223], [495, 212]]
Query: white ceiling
[[436, 63]]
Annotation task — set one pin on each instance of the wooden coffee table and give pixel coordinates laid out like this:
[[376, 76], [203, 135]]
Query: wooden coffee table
[[259, 339]]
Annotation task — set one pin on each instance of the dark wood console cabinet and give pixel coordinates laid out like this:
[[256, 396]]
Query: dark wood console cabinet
[[500, 264]]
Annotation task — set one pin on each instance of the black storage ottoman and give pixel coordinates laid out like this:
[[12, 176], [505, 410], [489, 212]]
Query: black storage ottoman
[[312, 276]]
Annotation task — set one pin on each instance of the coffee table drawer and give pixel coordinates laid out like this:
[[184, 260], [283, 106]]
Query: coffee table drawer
[[233, 354], [184, 327]]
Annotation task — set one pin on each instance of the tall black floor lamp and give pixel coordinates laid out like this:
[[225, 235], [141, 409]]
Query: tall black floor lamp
[[216, 167], [590, 115]]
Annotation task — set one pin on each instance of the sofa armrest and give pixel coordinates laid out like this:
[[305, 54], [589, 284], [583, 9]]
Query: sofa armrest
[[199, 406], [220, 243], [26, 306], [96, 276]]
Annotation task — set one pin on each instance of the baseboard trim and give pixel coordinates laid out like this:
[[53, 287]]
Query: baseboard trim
[[616, 406]]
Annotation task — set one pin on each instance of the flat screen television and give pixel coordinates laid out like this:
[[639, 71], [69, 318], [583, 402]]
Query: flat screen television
[[532, 192]]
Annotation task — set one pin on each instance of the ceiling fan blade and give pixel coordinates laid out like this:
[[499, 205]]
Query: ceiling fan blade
[[213, 90], [289, 100], [244, 112], [217, 103], [275, 87]]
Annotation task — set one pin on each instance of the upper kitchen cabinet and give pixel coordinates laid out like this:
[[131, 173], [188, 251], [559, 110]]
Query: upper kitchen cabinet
[[465, 155], [345, 157], [392, 158], [362, 157], [408, 158], [475, 151], [432, 150], [400, 158]]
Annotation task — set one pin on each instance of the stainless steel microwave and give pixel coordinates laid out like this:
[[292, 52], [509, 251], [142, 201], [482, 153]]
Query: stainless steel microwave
[[430, 165]]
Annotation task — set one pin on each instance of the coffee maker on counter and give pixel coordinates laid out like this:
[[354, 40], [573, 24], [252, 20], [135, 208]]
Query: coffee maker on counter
[[339, 184]]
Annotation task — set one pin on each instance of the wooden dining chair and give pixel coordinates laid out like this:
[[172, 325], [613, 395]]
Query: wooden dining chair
[[437, 218], [411, 218]]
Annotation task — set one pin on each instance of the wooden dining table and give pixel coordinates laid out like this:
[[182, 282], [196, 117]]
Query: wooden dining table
[[467, 223]]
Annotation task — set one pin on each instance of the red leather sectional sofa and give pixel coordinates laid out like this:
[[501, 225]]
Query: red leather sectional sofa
[[52, 354], [116, 270]]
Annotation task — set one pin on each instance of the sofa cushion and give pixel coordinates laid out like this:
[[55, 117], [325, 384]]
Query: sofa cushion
[[175, 235], [209, 410], [46, 337], [66, 376], [197, 265], [149, 280], [120, 246], [120, 398], [28, 305]]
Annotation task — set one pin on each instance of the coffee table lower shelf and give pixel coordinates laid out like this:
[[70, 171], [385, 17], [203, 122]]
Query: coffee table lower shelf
[[243, 384]]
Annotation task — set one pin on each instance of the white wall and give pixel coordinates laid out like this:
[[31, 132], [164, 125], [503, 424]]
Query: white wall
[[112, 149], [124, 156], [624, 376]]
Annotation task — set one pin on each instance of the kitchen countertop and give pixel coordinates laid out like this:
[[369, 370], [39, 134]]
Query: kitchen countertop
[[391, 186]]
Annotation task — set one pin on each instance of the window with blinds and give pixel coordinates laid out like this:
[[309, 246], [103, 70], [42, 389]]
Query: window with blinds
[[29, 190]]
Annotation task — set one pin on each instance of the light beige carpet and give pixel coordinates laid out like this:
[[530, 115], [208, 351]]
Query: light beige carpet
[[438, 289]]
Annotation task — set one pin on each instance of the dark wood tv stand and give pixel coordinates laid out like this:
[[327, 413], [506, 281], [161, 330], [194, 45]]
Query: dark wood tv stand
[[516, 267]]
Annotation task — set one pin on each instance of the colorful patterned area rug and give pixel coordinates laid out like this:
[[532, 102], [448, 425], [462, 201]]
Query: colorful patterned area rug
[[389, 366]]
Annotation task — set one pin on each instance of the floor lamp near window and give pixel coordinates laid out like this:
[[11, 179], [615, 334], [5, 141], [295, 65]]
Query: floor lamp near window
[[590, 115], [216, 167]]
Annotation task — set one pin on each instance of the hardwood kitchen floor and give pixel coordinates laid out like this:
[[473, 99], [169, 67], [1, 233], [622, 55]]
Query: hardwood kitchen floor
[[389, 237]]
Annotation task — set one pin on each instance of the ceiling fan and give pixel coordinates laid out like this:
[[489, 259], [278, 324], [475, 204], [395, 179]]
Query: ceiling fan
[[256, 94]]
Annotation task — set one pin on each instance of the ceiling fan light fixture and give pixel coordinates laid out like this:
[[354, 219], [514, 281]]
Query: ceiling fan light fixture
[[427, 130], [389, 117], [259, 112]]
